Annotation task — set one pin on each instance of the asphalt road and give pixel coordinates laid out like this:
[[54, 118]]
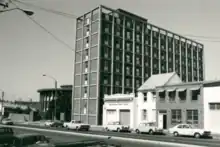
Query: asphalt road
[[67, 138], [184, 140]]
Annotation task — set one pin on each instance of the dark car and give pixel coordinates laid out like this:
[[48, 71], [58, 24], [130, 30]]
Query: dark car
[[26, 140], [57, 124]]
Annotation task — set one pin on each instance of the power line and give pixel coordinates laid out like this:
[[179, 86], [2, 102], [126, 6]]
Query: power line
[[49, 10], [43, 28], [205, 37]]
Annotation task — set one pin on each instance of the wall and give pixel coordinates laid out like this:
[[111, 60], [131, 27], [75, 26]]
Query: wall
[[177, 104], [121, 104], [211, 117], [149, 105]]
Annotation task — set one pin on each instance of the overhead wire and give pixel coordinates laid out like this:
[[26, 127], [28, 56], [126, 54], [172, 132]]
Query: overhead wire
[[47, 31], [48, 10]]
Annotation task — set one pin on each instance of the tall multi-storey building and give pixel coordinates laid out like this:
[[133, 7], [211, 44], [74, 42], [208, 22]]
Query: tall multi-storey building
[[117, 51]]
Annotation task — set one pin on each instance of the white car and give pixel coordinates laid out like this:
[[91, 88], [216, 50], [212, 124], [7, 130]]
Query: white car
[[77, 125], [7, 121], [117, 126], [148, 127], [48, 123], [189, 130]]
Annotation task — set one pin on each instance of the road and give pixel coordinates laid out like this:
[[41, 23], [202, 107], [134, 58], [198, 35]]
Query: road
[[184, 140], [67, 138]]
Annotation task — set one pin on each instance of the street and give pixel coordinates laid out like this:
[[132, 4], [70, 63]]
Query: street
[[67, 138]]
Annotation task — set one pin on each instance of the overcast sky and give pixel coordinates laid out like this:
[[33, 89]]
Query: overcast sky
[[27, 51]]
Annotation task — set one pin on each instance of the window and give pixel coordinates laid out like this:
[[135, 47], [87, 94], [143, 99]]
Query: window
[[137, 72], [214, 106], [128, 34], [128, 46], [128, 82], [172, 95], [79, 45], [117, 68], [145, 97], [162, 95], [106, 67], [85, 54], [128, 58], [192, 117], [94, 39], [137, 49], [128, 70], [138, 38], [95, 27], [176, 116], [195, 93], [182, 94], [137, 82], [144, 114], [138, 62]]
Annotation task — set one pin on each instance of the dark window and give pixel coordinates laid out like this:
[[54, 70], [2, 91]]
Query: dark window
[[145, 97], [192, 117], [172, 95], [195, 93], [176, 116], [214, 106], [162, 95], [182, 94]]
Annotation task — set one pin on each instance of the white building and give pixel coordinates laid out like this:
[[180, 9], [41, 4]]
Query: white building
[[128, 109], [120, 107], [211, 92]]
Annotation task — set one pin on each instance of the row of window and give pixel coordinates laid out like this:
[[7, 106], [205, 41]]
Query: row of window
[[192, 116], [172, 94], [88, 19], [85, 106], [214, 106], [85, 92]]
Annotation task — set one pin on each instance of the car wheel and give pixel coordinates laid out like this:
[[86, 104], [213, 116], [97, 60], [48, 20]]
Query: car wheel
[[175, 134], [197, 135], [118, 130], [151, 132], [137, 131]]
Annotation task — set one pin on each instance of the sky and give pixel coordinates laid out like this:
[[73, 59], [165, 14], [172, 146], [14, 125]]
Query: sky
[[27, 51]]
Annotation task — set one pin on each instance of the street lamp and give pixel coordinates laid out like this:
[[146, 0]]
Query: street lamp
[[2, 95], [55, 82], [29, 13]]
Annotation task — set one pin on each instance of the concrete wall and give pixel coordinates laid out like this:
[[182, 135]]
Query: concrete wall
[[211, 117], [183, 105]]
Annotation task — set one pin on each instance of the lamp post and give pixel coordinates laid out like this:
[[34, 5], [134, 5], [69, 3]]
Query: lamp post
[[29, 13], [2, 95], [55, 97]]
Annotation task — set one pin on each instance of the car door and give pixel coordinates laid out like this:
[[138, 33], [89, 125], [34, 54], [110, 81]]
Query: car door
[[180, 129], [187, 130]]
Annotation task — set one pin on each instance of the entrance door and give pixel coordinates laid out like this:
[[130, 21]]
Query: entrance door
[[125, 117], [162, 121]]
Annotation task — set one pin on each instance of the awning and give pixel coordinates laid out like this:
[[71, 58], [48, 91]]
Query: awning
[[194, 88], [181, 89], [161, 90], [171, 90]]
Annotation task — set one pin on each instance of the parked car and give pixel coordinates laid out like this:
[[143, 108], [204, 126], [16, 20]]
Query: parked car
[[189, 130], [48, 123], [57, 123], [7, 121], [26, 140], [117, 126], [6, 135], [148, 127], [77, 125]]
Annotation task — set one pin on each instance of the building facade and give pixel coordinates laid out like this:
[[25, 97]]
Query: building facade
[[121, 108], [116, 51], [64, 94]]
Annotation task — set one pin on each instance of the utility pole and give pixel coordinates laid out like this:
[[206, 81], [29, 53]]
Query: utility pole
[[2, 99]]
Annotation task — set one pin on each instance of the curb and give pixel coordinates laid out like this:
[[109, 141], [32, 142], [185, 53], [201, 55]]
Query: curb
[[108, 137]]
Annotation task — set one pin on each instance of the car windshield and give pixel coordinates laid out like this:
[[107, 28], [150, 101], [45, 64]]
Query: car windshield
[[152, 124], [116, 123]]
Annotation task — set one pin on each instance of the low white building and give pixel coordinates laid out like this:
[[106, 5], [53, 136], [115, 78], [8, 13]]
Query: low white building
[[211, 93], [128, 109], [120, 107]]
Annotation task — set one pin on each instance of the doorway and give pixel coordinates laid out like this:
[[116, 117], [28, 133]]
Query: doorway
[[162, 120]]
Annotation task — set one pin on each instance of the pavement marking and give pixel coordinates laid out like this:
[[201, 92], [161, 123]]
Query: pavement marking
[[107, 137]]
